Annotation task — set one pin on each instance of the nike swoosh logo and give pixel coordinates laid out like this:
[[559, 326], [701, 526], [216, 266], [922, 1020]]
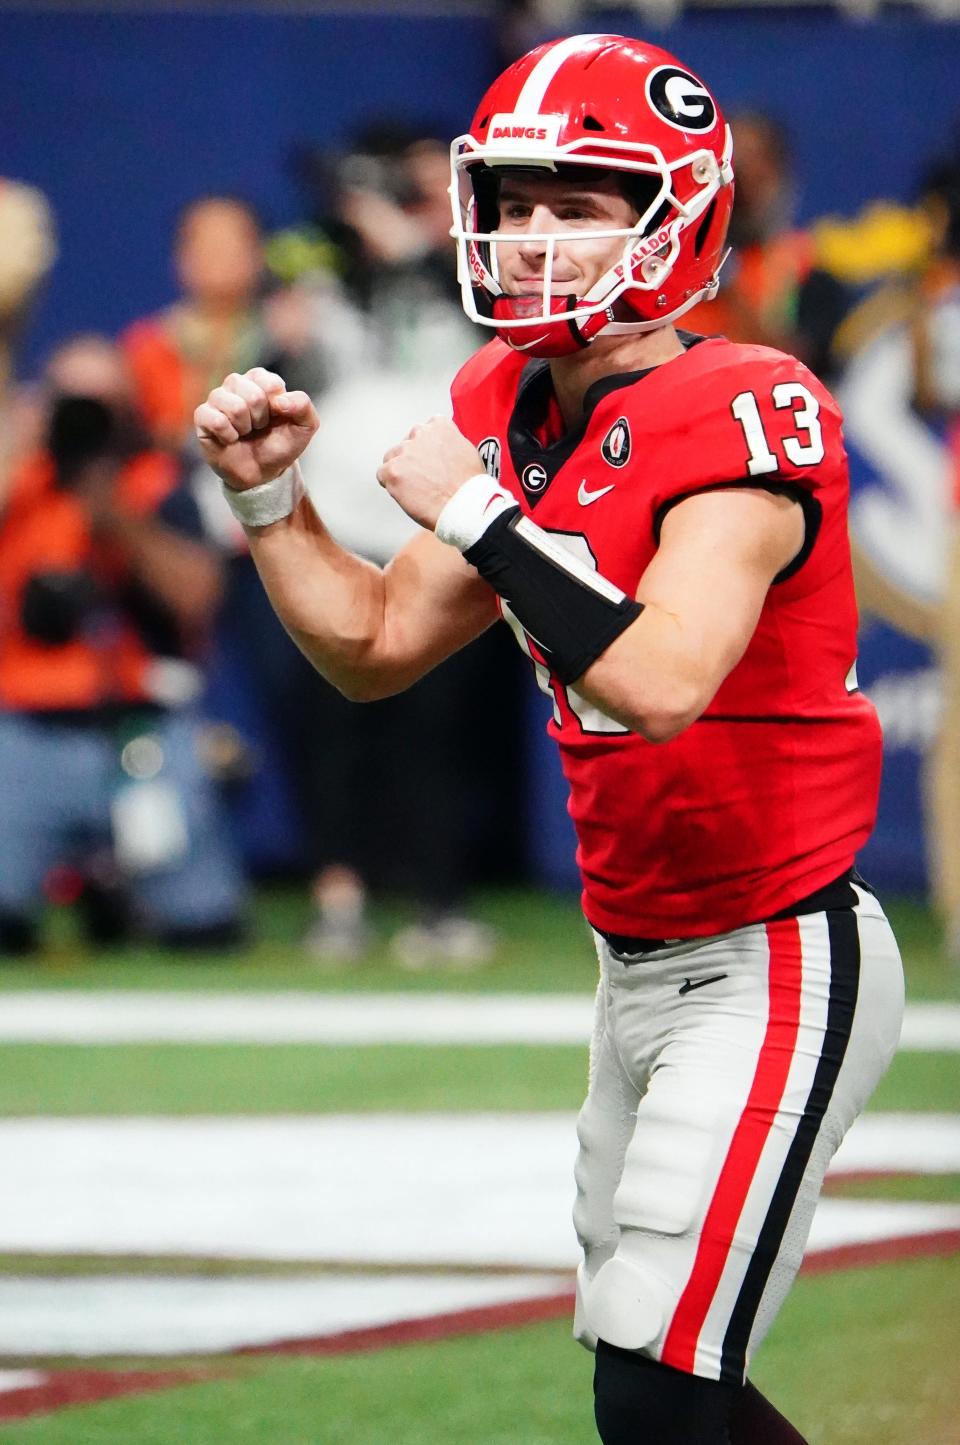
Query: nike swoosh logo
[[527, 344], [584, 497], [688, 985]]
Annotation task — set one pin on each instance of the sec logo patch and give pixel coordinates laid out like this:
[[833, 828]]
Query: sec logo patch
[[489, 452], [616, 444]]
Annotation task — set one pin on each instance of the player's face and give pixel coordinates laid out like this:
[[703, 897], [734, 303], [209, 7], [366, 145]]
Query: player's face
[[538, 206]]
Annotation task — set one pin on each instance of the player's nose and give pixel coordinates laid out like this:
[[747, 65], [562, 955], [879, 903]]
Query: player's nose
[[541, 222]]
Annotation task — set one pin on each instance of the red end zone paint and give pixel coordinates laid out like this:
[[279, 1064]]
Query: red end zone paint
[[835, 1184], [882, 1251], [86, 1387]]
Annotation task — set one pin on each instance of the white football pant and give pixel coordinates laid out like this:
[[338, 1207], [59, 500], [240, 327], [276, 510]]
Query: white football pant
[[723, 1075]]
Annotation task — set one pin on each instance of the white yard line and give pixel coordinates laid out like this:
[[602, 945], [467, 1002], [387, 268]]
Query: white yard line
[[309, 1018], [290, 1018], [933, 1027], [413, 1190], [11, 1380], [123, 1314], [419, 1197]]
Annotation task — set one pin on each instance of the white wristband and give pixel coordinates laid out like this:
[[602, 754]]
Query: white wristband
[[471, 510], [270, 502]]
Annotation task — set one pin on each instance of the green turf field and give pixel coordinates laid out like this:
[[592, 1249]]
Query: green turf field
[[861, 1357], [850, 1362], [65, 1079]]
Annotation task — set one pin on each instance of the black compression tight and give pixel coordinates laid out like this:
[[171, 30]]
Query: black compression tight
[[638, 1401], [754, 1421]]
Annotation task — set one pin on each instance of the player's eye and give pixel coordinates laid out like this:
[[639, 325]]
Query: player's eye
[[579, 211]]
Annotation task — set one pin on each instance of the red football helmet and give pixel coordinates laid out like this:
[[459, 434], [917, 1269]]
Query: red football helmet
[[614, 105]]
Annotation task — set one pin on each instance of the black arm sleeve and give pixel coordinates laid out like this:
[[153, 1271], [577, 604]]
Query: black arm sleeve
[[571, 612]]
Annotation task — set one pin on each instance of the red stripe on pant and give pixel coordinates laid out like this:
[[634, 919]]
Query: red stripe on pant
[[746, 1147]]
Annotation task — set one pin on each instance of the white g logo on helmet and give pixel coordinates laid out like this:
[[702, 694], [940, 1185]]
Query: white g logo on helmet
[[680, 99]]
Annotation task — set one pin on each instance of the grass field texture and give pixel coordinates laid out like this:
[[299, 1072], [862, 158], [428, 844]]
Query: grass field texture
[[849, 1362], [864, 1356]]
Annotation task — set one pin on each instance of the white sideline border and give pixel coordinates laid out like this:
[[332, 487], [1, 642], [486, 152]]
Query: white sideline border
[[130, 1017], [129, 1315], [426, 1190], [445, 1212]]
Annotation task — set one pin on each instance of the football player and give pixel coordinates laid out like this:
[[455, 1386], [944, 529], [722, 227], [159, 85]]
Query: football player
[[661, 520]]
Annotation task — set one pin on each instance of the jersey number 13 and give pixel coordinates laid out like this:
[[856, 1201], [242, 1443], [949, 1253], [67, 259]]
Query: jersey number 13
[[804, 448]]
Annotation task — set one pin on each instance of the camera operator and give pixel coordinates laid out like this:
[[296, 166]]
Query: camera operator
[[107, 589], [380, 223]]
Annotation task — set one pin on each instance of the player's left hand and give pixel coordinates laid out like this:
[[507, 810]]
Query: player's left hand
[[423, 472]]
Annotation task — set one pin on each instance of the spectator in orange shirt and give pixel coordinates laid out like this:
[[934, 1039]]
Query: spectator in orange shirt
[[224, 320]]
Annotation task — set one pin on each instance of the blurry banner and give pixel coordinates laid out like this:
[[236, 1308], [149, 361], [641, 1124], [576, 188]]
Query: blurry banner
[[900, 469], [900, 677]]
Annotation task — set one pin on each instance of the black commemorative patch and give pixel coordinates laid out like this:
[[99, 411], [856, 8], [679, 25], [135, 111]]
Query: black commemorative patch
[[615, 448]]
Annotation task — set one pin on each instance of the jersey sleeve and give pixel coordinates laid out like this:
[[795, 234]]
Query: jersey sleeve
[[481, 388], [763, 420]]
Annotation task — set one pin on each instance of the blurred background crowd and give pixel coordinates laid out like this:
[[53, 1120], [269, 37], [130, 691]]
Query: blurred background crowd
[[162, 743]]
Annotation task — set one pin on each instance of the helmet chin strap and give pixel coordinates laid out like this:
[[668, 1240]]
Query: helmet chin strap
[[567, 334], [560, 337]]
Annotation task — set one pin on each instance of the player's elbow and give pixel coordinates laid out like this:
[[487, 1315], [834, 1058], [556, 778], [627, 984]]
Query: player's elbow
[[366, 677], [675, 694], [353, 662], [661, 716], [366, 687], [658, 709], [655, 691], [354, 689], [662, 727]]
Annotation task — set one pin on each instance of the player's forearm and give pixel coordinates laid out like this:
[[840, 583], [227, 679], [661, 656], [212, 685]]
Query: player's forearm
[[331, 602], [642, 665], [655, 678]]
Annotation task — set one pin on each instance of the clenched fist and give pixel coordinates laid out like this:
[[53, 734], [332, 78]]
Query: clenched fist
[[251, 428], [423, 472]]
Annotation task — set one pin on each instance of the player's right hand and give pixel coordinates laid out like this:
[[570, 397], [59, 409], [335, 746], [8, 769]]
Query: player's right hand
[[251, 428]]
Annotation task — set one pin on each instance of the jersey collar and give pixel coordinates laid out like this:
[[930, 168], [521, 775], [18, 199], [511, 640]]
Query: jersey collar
[[535, 463]]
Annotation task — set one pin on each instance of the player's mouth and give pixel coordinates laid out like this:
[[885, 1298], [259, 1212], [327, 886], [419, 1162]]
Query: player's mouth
[[535, 288]]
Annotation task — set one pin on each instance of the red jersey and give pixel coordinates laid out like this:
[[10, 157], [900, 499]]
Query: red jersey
[[768, 795]]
